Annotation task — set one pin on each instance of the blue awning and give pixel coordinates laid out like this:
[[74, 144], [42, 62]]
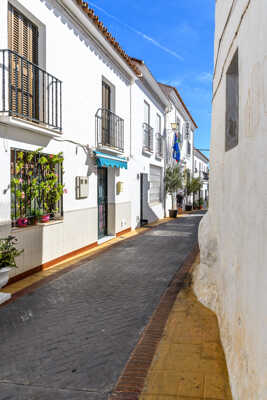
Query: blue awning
[[107, 160]]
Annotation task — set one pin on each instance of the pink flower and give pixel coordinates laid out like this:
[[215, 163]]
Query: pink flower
[[51, 156], [22, 195], [65, 191], [20, 180]]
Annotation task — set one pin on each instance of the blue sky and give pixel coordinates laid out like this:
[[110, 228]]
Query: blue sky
[[175, 39]]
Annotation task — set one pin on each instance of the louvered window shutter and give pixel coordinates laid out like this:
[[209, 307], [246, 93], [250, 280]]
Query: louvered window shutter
[[23, 40]]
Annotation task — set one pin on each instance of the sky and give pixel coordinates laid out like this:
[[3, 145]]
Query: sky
[[175, 39]]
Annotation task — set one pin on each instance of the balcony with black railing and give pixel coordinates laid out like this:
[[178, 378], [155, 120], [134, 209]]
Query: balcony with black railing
[[109, 130], [205, 176], [147, 138], [29, 93]]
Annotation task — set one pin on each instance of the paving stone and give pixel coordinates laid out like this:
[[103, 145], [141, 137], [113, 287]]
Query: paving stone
[[71, 338]]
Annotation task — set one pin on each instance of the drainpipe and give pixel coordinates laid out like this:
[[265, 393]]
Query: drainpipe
[[131, 122], [165, 155]]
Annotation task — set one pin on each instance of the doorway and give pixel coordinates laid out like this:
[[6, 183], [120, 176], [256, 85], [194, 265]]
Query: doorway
[[102, 188]]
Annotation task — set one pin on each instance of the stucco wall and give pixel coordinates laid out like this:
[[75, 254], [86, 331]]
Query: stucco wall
[[140, 163], [232, 276], [73, 56]]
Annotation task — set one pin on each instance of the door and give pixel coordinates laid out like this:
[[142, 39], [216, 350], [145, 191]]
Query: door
[[102, 186], [23, 72], [143, 198], [106, 108]]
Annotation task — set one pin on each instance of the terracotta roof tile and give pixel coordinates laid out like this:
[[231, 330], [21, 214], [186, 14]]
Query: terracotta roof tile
[[100, 26]]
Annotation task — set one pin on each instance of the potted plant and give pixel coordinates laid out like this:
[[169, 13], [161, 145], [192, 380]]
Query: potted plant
[[192, 185], [39, 189], [173, 182], [8, 253]]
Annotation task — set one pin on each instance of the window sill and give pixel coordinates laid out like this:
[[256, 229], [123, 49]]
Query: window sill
[[147, 152], [29, 126], [110, 149], [159, 157]]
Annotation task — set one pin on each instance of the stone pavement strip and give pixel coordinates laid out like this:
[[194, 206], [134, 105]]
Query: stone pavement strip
[[189, 362], [71, 337]]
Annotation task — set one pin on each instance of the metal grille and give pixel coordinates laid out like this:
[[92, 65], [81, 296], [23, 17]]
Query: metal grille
[[109, 129], [155, 184], [148, 137], [29, 172], [159, 152], [29, 92], [188, 148]]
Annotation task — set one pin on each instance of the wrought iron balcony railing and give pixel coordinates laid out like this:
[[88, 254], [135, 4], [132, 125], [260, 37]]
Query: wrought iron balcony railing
[[148, 138], [109, 130], [188, 148], [29, 92], [159, 143], [205, 176]]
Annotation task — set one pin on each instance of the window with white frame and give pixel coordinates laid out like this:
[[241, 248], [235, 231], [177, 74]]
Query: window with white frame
[[155, 184], [158, 123], [146, 113], [147, 129]]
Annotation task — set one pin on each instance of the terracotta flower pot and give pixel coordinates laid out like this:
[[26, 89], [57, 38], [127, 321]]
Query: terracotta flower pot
[[45, 218]]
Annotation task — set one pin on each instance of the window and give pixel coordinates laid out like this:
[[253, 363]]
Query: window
[[23, 41], [147, 130], [179, 131], [188, 148], [187, 129], [158, 124], [146, 113], [36, 184], [155, 184], [232, 104]]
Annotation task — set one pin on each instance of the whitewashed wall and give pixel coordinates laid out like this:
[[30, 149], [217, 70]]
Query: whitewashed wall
[[232, 275], [186, 160], [201, 166], [140, 163], [71, 57]]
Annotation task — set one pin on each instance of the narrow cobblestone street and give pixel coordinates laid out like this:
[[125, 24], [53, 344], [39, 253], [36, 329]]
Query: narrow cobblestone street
[[71, 337]]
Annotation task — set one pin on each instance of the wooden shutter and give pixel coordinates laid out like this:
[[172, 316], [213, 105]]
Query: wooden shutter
[[23, 40]]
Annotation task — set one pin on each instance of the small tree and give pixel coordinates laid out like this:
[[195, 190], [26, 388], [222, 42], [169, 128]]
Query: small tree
[[192, 185], [173, 181]]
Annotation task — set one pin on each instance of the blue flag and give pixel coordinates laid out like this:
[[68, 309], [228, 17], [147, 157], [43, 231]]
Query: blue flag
[[176, 151]]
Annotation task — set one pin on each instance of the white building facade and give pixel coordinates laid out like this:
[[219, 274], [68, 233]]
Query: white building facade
[[67, 88], [80, 106], [201, 170], [185, 131], [232, 276]]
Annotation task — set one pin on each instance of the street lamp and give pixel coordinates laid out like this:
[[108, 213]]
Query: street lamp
[[174, 126]]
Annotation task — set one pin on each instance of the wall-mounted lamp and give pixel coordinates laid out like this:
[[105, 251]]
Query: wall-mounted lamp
[[120, 187], [174, 126]]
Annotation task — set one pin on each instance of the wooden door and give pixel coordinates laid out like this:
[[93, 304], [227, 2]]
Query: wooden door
[[23, 72]]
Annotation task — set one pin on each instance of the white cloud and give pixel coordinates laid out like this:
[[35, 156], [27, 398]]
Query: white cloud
[[205, 77], [143, 35]]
